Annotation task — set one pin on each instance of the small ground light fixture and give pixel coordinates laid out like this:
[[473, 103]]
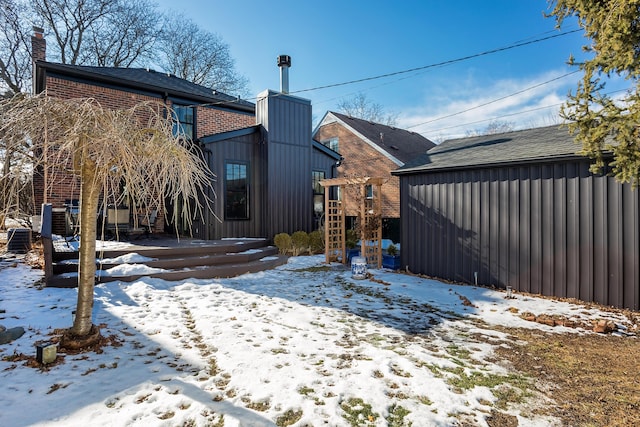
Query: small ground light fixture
[[46, 353]]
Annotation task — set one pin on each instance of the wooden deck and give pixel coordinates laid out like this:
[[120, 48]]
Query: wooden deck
[[171, 259]]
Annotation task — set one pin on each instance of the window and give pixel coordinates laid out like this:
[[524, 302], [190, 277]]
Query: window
[[318, 193], [333, 144], [183, 121], [236, 191], [369, 191]]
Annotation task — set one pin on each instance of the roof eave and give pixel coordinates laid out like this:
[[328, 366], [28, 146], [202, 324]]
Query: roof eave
[[548, 159], [78, 73]]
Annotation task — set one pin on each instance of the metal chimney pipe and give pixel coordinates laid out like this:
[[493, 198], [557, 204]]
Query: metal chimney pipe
[[284, 62]]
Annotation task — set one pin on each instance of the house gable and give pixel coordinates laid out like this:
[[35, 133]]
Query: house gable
[[398, 145], [364, 156]]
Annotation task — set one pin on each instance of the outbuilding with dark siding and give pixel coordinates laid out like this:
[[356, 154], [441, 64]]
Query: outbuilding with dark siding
[[521, 209]]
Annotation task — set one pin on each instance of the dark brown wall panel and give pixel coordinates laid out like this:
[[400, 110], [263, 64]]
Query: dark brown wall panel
[[552, 228]]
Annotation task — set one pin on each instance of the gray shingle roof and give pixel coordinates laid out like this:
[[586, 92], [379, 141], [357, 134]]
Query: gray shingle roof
[[149, 80], [402, 144], [538, 144]]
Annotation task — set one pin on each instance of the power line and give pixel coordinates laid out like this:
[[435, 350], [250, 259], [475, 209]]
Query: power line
[[424, 67], [493, 118], [495, 100], [508, 115], [450, 61]]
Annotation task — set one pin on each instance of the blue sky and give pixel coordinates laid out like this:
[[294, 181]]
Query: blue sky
[[332, 42]]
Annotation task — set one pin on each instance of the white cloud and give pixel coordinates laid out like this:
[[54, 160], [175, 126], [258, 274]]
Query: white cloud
[[455, 108]]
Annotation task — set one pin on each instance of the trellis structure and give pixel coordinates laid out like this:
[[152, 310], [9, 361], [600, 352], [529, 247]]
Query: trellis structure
[[369, 218]]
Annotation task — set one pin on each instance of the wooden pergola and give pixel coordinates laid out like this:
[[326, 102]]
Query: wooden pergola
[[369, 215]]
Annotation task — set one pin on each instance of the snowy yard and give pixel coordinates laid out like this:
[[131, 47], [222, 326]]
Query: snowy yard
[[304, 345]]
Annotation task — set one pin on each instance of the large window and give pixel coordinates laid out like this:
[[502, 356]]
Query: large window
[[236, 181], [183, 121]]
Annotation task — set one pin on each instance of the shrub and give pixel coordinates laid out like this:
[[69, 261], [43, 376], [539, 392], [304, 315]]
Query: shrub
[[316, 242], [351, 239], [282, 242], [392, 250], [300, 241]]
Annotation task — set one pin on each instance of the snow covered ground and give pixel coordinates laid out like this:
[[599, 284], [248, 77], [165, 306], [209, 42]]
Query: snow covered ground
[[304, 345]]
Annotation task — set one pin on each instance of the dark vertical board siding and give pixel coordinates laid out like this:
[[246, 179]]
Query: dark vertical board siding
[[554, 229], [631, 236], [572, 230], [237, 149], [513, 242], [437, 234], [454, 267], [559, 179], [503, 232], [494, 224], [467, 258], [585, 238], [546, 199], [474, 240], [524, 248], [484, 231], [614, 223], [599, 240], [535, 264], [289, 201]]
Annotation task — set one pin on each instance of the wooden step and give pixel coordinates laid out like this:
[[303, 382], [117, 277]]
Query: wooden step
[[183, 259], [156, 248], [177, 259], [200, 272]]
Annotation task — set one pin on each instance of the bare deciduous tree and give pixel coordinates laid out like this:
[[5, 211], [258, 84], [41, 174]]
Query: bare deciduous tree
[[71, 22], [199, 56], [113, 33], [359, 106], [106, 149], [125, 37], [494, 127], [15, 58]]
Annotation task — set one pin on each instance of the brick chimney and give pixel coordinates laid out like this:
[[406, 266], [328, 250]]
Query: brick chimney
[[38, 53], [38, 45]]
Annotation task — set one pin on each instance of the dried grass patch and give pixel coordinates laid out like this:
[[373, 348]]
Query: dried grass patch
[[592, 379]]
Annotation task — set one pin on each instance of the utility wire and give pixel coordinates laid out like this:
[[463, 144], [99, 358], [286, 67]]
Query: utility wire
[[493, 118], [507, 115], [493, 101], [451, 61], [381, 76]]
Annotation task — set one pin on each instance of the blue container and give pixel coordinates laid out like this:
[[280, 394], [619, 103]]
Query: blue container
[[352, 253], [391, 261]]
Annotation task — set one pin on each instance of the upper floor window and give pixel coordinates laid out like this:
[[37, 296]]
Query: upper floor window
[[183, 121], [333, 144], [369, 191]]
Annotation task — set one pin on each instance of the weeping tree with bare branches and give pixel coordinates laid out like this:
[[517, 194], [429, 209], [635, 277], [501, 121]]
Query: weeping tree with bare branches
[[106, 149]]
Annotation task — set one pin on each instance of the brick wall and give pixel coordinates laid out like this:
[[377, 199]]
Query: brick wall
[[360, 159], [216, 120]]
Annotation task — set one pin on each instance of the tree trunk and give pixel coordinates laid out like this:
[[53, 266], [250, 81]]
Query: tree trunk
[[89, 196]]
